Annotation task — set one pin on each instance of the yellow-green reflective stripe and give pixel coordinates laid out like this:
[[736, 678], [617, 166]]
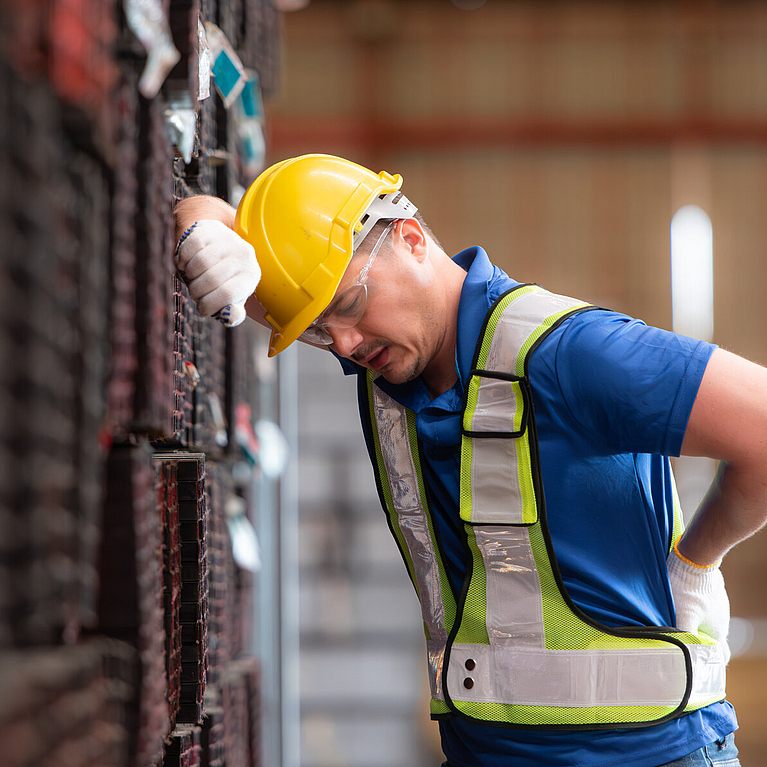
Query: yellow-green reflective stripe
[[545, 325], [472, 628], [525, 472], [523, 459], [561, 715], [464, 501], [471, 402], [527, 487], [386, 488], [519, 406]]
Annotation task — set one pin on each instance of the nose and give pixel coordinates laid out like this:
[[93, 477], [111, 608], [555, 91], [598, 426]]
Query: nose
[[345, 340]]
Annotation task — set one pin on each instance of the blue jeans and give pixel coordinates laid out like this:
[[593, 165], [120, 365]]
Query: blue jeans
[[720, 753]]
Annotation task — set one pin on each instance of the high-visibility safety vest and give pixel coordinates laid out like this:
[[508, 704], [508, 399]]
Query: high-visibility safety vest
[[514, 650]]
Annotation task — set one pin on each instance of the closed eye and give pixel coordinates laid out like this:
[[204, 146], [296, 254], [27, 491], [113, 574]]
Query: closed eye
[[348, 306]]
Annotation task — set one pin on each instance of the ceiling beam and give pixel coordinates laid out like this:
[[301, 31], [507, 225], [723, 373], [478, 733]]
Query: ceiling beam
[[432, 132]]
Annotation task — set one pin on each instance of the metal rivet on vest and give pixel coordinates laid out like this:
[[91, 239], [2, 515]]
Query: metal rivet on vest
[[470, 664], [468, 683]]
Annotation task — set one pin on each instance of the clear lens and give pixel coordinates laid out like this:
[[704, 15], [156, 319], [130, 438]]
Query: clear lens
[[346, 310], [316, 334]]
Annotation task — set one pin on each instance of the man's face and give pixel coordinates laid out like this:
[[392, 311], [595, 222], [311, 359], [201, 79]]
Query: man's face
[[400, 330]]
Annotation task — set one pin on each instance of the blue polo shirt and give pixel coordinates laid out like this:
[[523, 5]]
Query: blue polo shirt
[[611, 398]]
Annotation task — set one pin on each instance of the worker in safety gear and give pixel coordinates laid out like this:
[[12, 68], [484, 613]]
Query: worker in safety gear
[[520, 444]]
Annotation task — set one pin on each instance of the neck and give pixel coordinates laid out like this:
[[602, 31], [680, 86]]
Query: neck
[[440, 374], [439, 378]]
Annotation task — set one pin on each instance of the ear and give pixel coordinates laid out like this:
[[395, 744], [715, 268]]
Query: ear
[[413, 237]]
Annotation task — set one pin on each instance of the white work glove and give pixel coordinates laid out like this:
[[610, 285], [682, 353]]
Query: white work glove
[[700, 599], [219, 268]]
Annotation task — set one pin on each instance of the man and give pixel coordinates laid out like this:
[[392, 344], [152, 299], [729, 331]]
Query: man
[[519, 441]]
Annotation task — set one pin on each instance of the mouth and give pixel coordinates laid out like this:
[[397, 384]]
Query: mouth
[[379, 359]]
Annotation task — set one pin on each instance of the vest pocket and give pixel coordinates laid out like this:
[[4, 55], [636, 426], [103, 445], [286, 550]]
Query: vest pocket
[[497, 405], [497, 484]]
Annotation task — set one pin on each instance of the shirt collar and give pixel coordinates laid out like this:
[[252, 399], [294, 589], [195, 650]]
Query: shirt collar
[[472, 307]]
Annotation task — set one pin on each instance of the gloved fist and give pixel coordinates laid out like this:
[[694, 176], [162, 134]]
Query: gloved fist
[[220, 269], [700, 599]]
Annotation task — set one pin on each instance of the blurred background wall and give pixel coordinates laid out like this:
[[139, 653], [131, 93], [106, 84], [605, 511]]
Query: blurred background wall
[[562, 137]]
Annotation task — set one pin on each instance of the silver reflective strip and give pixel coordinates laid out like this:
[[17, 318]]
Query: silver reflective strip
[[496, 407], [708, 673], [496, 495], [519, 321], [435, 649], [514, 609], [567, 678], [391, 420]]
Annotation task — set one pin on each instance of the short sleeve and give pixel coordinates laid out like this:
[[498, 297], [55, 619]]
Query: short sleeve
[[629, 385]]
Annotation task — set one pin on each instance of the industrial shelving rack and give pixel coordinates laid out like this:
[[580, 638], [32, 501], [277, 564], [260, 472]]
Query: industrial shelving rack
[[124, 619]]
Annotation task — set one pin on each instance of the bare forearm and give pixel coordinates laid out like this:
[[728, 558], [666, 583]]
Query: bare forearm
[[734, 508], [728, 422], [198, 208]]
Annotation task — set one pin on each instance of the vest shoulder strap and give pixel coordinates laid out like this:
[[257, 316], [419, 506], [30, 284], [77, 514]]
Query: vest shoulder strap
[[498, 408]]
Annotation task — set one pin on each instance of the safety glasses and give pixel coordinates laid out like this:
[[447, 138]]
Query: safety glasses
[[347, 308]]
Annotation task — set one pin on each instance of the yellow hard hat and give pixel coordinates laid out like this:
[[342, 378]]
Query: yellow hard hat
[[305, 217]]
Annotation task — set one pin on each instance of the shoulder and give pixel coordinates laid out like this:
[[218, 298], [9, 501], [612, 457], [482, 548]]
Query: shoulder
[[620, 379], [597, 341]]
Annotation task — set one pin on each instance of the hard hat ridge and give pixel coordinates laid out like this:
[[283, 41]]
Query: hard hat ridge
[[305, 217]]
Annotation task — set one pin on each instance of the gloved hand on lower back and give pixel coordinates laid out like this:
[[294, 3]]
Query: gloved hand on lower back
[[220, 270], [700, 599]]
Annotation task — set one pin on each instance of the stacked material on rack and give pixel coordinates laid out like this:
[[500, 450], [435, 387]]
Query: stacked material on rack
[[154, 273], [193, 616], [130, 608], [214, 736], [183, 749], [67, 705], [167, 500], [52, 363], [121, 608]]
